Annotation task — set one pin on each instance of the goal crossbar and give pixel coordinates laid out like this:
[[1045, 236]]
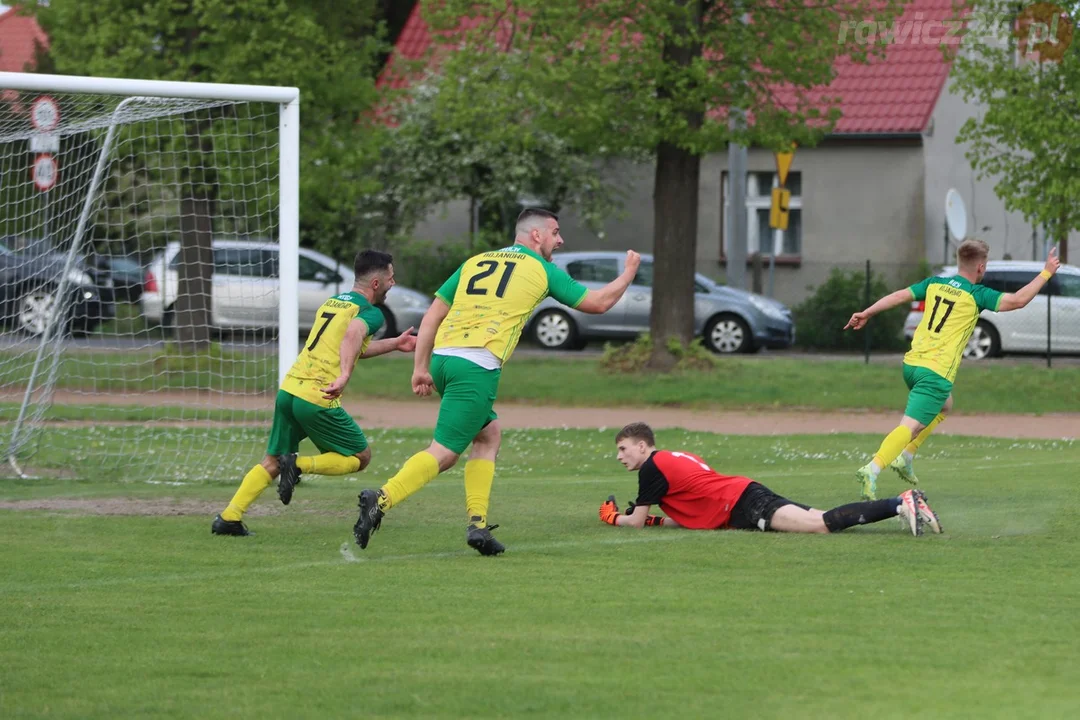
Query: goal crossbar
[[153, 88]]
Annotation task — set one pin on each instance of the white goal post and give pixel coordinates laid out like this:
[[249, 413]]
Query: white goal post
[[155, 174]]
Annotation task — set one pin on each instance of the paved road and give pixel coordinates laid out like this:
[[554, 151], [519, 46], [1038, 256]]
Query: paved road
[[593, 350]]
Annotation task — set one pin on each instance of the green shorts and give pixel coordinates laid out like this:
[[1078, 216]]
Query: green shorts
[[331, 429], [468, 398], [928, 393]]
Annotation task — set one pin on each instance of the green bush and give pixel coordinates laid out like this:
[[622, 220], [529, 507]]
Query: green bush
[[425, 265], [632, 357], [820, 318]]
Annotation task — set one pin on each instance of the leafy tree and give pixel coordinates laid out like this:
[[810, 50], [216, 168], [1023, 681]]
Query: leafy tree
[[324, 47], [822, 316], [652, 76], [431, 156], [1029, 135]]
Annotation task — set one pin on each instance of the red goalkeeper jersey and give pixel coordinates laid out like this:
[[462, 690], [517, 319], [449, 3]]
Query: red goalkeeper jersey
[[688, 490]]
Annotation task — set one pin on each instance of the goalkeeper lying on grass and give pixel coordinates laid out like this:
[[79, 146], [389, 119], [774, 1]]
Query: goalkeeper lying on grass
[[694, 496]]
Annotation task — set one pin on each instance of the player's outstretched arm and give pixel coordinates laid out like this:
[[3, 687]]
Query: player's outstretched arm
[[347, 353], [405, 342], [1020, 298], [858, 320], [639, 517], [597, 302]]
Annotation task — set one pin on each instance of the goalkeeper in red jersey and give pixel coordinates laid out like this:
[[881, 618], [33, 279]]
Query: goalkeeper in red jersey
[[694, 496]]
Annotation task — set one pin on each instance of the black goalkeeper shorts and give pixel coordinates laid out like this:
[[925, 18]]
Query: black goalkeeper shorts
[[756, 507]]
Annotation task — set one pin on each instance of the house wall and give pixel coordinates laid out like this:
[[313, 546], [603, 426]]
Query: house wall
[[860, 201], [947, 167]]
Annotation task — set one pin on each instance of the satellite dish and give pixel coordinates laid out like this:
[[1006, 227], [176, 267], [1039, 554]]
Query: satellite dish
[[956, 215]]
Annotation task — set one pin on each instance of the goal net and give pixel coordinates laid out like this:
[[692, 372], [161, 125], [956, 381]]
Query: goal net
[[148, 255]]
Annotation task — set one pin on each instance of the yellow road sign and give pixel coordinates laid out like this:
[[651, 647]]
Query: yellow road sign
[[783, 164], [778, 213]]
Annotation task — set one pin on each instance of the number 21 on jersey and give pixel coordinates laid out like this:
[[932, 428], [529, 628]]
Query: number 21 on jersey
[[475, 287]]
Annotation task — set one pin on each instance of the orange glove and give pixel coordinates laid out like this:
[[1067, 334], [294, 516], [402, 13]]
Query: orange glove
[[652, 520], [609, 511]]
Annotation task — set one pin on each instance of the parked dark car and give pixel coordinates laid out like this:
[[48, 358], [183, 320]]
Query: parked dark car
[[128, 276], [727, 319], [28, 292]]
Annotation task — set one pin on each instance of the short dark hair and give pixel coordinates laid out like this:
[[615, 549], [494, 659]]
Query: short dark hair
[[369, 260], [972, 250], [529, 213], [637, 431]]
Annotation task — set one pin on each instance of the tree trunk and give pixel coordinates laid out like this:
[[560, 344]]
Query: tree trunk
[[675, 201], [197, 209], [193, 300], [675, 210]]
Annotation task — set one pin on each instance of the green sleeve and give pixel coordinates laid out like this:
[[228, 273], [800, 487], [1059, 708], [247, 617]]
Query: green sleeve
[[448, 290], [373, 318], [564, 288], [918, 290], [987, 298]]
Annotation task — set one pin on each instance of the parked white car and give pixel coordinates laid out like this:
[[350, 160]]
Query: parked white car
[[246, 291], [1025, 330]]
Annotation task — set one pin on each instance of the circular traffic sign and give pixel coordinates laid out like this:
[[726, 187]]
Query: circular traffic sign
[[45, 171], [45, 113]]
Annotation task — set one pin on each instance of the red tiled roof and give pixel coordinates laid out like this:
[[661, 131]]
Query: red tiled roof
[[892, 94], [17, 36]]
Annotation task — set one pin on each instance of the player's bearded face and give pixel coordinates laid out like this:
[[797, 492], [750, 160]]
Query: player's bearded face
[[384, 283], [550, 240]]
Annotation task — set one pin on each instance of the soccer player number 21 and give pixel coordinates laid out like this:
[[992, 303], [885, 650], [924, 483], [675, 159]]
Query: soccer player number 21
[[492, 266]]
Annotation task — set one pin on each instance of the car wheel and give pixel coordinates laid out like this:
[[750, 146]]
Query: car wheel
[[728, 334], [389, 328], [984, 342], [555, 330], [35, 309]]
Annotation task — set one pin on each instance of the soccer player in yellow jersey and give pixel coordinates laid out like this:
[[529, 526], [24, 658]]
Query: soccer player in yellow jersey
[[309, 401], [468, 333], [953, 305]]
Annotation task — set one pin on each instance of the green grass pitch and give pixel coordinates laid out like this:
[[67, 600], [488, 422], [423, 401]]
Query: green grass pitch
[[151, 616]]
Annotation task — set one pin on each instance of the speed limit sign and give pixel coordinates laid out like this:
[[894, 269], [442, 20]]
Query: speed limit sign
[[45, 171], [45, 114]]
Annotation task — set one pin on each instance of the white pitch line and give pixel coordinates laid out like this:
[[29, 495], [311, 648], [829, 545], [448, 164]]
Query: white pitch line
[[945, 464], [347, 553], [347, 557]]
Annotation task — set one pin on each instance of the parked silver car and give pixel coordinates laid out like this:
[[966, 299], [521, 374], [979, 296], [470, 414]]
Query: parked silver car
[[246, 291], [1021, 330], [727, 319]]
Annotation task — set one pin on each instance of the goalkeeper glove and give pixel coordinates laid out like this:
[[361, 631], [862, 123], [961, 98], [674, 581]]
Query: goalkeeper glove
[[652, 520], [609, 511]]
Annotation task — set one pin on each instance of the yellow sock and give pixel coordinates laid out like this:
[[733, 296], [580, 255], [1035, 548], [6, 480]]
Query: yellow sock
[[417, 472], [479, 475], [330, 463], [892, 446], [254, 483], [913, 446]]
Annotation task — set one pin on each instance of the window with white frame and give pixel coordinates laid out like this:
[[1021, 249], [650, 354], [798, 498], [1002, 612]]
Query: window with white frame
[[760, 237]]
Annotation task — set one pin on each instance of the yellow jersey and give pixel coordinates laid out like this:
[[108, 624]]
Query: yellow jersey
[[492, 295], [953, 305], [319, 363]]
